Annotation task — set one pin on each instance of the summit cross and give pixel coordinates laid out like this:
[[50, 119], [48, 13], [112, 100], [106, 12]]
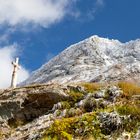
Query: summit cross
[[14, 75]]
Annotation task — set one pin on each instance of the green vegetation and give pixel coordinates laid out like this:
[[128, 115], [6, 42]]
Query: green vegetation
[[129, 109], [128, 106], [67, 128], [133, 111], [75, 95]]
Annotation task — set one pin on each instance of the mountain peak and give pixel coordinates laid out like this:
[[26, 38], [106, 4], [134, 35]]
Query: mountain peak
[[94, 59]]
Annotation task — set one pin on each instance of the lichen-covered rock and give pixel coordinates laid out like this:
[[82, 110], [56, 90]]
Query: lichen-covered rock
[[109, 122], [112, 93]]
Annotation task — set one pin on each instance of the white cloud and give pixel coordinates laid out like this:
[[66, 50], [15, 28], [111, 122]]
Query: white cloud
[[7, 55], [38, 12]]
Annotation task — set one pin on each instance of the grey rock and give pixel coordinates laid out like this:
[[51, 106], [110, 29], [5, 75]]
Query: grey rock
[[28, 103], [109, 122]]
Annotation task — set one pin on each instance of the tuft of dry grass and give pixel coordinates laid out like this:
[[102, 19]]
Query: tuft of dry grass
[[129, 89], [91, 87]]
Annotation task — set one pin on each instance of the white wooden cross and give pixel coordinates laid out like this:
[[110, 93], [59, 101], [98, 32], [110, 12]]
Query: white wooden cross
[[14, 75]]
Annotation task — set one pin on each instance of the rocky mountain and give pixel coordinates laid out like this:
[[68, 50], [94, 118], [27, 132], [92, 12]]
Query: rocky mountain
[[94, 59]]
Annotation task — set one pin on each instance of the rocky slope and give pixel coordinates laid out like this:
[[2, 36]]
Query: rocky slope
[[94, 59], [78, 111]]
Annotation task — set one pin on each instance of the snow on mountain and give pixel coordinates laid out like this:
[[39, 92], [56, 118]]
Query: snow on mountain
[[95, 59]]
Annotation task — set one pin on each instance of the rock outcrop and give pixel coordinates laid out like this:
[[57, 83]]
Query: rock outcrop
[[28, 103]]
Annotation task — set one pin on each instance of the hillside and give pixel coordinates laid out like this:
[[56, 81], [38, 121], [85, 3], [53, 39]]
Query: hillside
[[82, 111]]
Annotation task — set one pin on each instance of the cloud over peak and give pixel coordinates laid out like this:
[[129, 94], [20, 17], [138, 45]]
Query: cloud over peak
[[38, 12]]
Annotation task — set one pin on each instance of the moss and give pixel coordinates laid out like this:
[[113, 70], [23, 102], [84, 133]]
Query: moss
[[68, 128], [60, 129]]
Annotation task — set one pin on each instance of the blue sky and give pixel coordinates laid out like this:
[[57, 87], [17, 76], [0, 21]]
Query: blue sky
[[40, 37]]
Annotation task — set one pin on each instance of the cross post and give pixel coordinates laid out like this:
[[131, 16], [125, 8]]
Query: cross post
[[14, 75]]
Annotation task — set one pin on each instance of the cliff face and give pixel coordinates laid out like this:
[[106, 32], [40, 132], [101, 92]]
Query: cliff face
[[94, 59], [77, 111]]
